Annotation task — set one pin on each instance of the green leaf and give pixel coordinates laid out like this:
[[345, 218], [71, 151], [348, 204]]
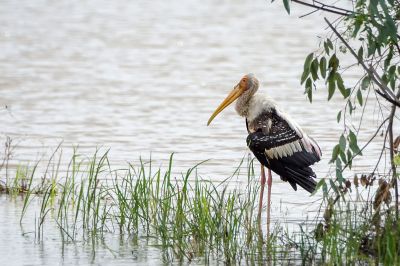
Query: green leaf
[[334, 187], [339, 175], [385, 79], [331, 88], [357, 25], [322, 67], [350, 107], [314, 69], [309, 89], [396, 160], [392, 83], [343, 157], [307, 62], [304, 76], [359, 97], [388, 58], [339, 116], [287, 7], [340, 84], [365, 82], [360, 54], [390, 26], [392, 77], [353, 143], [349, 158], [333, 63], [307, 66], [326, 47], [371, 45], [339, 170], [335, 153], [392, 72], [319, 185], [391, 2], [338, 78], [342, 142], [347, 93], [373, 8], [330, 45], [342, 89], [325, 189]]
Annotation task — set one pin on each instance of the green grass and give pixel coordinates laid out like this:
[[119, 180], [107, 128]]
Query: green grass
[[193, 219]]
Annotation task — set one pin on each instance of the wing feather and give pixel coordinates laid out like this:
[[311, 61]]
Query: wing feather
[[280, 144]]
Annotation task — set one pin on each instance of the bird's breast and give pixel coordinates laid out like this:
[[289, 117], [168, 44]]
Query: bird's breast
[[261, 123]]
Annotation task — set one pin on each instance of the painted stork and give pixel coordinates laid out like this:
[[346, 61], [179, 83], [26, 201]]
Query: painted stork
[[275, 139]]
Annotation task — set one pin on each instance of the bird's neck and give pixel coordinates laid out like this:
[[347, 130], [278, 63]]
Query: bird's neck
[[243, 104], [251, 106]]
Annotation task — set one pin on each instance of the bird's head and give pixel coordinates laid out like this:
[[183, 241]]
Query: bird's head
[[246, 87]]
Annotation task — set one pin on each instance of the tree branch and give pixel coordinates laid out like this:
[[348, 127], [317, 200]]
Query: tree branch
[[320, 6], [388, 99], [394, 175], [370, 70]]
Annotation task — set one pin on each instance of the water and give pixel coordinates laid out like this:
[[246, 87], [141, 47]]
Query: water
[[143, 77]]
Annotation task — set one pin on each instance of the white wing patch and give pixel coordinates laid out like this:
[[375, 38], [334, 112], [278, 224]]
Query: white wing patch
[[285, 150]]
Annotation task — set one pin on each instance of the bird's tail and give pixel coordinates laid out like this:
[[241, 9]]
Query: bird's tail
[[303, 177]]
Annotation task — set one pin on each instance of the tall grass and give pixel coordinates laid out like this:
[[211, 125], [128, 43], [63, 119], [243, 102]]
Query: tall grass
[[192, 219]]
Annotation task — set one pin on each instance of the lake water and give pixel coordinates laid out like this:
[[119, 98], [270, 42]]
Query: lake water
[[143, 77]]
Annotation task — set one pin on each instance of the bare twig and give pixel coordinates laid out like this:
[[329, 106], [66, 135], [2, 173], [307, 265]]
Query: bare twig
[[309, 13], [328, 8], [383, 86], [334, 7], [388, 99], [394, 174]]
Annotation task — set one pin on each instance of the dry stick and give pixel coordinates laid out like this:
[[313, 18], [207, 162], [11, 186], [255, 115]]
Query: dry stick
[[309, 13], [327, 8], [387, 90], [394, 175], [388, 99], [335, 7], [370, 70]]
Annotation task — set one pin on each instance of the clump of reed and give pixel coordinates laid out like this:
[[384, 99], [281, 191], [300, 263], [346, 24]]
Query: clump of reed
[[191, 218], [194, 219]]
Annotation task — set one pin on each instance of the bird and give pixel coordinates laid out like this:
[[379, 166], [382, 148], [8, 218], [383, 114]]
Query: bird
[[275, 139]]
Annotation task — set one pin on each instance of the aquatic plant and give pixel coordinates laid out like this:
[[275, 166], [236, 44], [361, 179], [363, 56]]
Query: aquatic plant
[[194, 219]]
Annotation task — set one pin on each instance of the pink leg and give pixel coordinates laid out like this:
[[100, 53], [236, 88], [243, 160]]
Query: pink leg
[[263, 179], [269, 182]]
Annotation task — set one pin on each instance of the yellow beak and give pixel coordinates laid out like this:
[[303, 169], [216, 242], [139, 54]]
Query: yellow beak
[[233, 95]]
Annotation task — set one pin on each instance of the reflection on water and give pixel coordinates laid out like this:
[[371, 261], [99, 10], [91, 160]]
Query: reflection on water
[[143, 77]]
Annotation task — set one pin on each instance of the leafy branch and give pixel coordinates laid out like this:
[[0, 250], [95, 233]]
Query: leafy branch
[[373, 25]]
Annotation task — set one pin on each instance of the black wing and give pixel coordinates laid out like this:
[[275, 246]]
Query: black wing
[[281, 146]]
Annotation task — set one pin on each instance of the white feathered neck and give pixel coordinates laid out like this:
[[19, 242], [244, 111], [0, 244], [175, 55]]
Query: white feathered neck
[[254, 105]]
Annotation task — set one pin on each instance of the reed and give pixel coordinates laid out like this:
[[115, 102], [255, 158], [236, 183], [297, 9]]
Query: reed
[[193, 219]]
